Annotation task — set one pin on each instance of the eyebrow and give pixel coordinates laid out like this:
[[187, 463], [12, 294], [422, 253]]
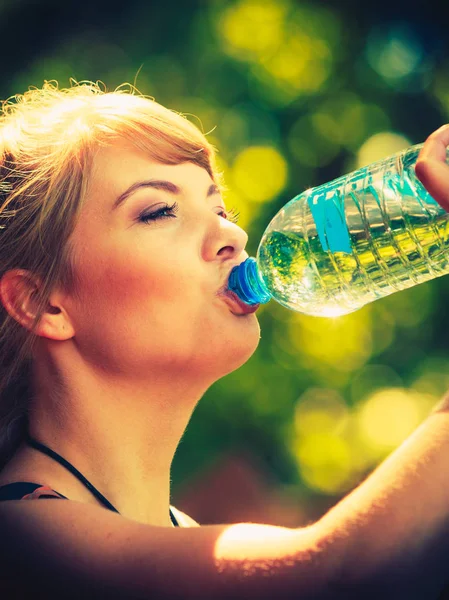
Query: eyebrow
[[158, 184]]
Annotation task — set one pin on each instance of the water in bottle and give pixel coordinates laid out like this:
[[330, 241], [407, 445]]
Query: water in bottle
[[341, 245]]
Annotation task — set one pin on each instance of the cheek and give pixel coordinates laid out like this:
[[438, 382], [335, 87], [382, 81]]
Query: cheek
[[123, 277], [142, 304], [130, 298]]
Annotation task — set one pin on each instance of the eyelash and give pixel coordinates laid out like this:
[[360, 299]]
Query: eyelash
[[166, 212]]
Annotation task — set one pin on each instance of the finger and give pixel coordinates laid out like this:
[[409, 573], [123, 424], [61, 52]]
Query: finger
[[432, 168], [435, 145], [434, 175]]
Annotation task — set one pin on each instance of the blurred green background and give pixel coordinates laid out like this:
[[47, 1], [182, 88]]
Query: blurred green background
[[293, 94]]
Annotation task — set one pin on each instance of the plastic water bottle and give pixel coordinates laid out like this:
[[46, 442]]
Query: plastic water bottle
[[339, 246]]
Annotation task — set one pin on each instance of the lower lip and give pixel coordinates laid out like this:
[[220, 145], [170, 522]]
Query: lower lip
[[240, 308]]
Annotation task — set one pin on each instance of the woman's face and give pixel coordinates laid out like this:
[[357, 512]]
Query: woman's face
[[147, 302]]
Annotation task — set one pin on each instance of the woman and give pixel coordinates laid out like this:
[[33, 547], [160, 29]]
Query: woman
[[116, 249]]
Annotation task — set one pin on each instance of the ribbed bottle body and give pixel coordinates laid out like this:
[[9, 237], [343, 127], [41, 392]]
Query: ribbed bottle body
[[368, 234]]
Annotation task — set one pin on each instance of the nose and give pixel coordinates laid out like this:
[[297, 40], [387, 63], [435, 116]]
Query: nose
[[225, 241]]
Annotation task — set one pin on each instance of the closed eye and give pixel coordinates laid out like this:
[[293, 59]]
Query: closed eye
[[169, 211], [164, 212]]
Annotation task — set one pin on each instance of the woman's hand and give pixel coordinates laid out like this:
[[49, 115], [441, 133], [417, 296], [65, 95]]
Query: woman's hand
[[431, 167]]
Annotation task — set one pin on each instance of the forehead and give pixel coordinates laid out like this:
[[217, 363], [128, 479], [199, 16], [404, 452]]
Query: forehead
[[117, 167]]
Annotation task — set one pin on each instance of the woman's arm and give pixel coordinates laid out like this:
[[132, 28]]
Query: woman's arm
[[393, 530], [387, 539]]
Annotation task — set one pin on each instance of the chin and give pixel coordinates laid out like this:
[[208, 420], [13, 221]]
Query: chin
[[239, 355], [226, 350]]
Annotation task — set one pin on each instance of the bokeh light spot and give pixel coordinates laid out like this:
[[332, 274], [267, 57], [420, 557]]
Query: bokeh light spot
[[260, 172], [388, 416], [320, 410], [395, 51], [381, 145], [252, 26], [325, 462], [344, 343]]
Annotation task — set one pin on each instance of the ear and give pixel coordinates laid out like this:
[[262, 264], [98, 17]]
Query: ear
[[17, 294]]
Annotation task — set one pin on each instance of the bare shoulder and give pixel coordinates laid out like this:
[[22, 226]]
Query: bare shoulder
[[81, 550]]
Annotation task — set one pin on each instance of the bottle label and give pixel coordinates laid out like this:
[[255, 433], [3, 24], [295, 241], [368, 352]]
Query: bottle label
[[329, 215]]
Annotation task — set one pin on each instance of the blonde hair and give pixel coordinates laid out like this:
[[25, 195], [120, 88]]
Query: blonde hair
[[48, 138]]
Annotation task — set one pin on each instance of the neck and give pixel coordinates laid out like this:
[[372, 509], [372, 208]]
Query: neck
[[121, 437]]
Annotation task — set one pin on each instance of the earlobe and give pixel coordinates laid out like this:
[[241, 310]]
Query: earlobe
[[18, 291]]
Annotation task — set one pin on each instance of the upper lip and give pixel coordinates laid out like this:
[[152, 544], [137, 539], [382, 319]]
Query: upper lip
[[238, 305], [222, 291]]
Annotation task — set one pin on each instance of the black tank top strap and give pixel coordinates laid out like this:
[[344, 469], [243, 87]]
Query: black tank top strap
[[65, 463]]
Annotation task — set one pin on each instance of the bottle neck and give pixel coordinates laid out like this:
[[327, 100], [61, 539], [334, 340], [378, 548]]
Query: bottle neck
[[246, 281]]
